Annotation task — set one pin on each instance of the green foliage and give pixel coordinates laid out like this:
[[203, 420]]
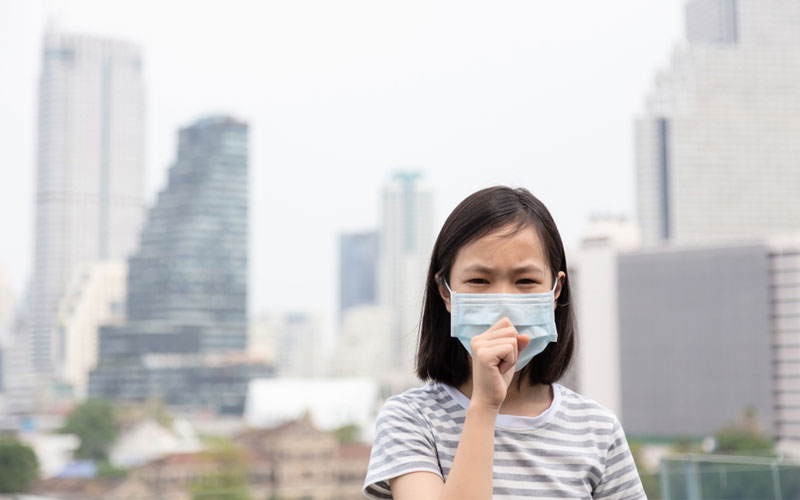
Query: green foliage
[[18, 466], [227, 485], [93, 423], [651, 480], [347, 433], [744, 437], [684, 444], [230, 482], [106, 469]]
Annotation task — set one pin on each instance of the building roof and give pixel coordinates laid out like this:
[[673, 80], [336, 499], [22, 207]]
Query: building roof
[[354, 450]]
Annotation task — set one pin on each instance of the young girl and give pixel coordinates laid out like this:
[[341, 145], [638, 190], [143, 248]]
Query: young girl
[[497, 334]]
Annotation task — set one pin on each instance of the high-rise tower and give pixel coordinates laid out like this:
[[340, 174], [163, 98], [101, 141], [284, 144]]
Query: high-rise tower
[[406, 242], [187, 284], [717, 155], [90, 175]]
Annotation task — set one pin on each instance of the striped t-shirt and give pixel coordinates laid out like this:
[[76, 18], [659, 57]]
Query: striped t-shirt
[[574, 449]]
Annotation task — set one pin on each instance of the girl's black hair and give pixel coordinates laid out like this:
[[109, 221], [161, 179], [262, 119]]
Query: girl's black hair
[[441, 357]]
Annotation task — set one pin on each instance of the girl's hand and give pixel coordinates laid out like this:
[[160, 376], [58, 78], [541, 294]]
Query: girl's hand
[[494, 358]]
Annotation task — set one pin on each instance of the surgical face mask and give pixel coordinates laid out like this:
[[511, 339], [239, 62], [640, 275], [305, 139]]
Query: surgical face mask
[[531, 313]]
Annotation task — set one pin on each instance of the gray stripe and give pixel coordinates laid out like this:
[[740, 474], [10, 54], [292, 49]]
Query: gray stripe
[[532, 464], [403, 468], [585, 418], [544, 452], [519, 493], [384, 442], [402, 416], [371, 490], [616, 458], [633, 483], [577, 432], [380, 462], [528, 438], [622, 472], [545, 478], [582, 406]]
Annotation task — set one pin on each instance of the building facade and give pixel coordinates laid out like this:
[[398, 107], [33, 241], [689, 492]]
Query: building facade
[[716, 146], [94, 297], [695, 337], [358, 264], [784, 268], [187, 283], [406, 242], [90, 172]]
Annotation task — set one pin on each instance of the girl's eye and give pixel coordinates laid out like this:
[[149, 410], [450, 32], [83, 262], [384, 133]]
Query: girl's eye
[[478, 281], [526, 281]]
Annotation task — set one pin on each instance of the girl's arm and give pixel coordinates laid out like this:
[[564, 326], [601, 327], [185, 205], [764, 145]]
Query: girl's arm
[[494, 355]]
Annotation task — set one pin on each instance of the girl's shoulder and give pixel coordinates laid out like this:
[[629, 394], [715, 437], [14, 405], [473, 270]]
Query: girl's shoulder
[[431, 394], [426, 405], [578, 406]]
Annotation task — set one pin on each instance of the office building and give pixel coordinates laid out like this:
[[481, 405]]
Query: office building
[[695, 338], [95, 297], [358, 263], [784, 269], [716, 146], [406, 242], [187, 283], [90, 171]]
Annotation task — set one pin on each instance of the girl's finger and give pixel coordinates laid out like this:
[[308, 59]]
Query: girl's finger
[[495, 355]]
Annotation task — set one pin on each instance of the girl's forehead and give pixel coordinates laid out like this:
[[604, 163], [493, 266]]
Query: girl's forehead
[[505, 245]]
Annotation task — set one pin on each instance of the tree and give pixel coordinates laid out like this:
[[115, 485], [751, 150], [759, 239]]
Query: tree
[[347, 434], [18, 466], [744, 437], [231, 481], [93, 423], [651, 481]]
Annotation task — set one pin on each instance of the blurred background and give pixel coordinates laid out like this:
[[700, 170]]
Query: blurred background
[[217, 218]]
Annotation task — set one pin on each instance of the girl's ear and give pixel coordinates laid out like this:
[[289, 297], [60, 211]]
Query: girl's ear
[[443, 292], [561, 277]]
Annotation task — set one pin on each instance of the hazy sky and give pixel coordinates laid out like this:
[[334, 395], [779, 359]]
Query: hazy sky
[[340, 93]]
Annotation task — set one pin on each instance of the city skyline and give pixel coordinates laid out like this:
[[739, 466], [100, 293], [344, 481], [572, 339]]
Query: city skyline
[[319, 134]]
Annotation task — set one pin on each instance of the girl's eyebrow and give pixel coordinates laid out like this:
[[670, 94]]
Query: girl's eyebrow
[[530, 268], [479, 268]]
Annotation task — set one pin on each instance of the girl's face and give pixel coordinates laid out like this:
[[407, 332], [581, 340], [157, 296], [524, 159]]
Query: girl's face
[[501, 262]]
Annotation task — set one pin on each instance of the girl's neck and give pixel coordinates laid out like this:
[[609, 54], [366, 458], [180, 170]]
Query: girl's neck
[[527, 401]]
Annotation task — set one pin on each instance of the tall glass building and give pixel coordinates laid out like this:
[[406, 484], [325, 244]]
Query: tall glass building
[[358, 262], [405, 244], [187, 284], [90, 171], [191, 267]]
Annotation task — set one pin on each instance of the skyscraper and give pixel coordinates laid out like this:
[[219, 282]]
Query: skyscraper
[[406, 242], [717, 153], [191, 267], [90, 175], [358, 263], [187, 284]]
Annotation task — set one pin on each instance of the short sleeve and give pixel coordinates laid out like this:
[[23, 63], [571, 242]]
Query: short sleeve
[[620, 479], [403, 443]]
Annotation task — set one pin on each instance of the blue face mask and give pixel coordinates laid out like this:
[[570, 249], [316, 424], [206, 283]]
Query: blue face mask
[[531, 313]]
